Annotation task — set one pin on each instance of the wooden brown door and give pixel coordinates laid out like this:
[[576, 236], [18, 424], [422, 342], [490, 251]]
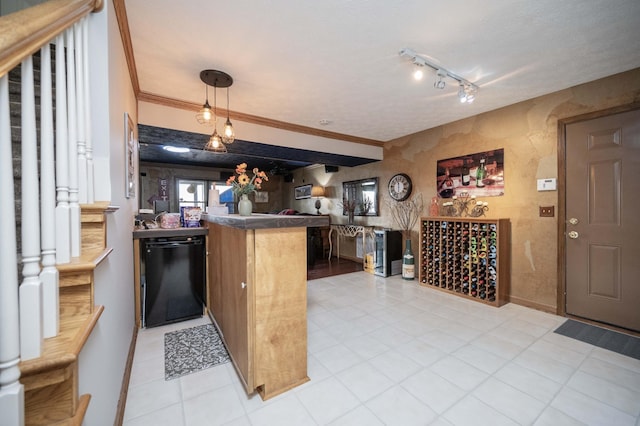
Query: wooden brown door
[[602, 220]]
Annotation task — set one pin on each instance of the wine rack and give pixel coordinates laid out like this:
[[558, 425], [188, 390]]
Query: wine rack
[[466, 257]]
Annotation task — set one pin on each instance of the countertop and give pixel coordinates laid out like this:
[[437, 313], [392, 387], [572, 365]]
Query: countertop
[[160, 232], [266, 221]]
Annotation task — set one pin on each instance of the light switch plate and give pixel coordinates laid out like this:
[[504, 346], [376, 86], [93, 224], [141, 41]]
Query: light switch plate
[[547, 184]]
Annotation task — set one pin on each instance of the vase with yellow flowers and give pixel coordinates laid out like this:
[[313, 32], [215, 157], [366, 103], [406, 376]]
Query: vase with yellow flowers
[[242, 185]]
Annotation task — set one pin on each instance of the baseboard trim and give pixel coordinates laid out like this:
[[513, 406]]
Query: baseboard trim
[[533, 305], [122, 401]]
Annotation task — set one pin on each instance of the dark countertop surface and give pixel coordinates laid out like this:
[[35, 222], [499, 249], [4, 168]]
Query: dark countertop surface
[[266, 221], [160, 232]]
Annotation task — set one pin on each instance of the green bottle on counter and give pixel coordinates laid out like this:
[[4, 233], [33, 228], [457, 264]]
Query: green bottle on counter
[[408, 262]]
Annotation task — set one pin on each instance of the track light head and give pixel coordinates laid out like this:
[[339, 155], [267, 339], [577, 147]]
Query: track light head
[[418, 73], [466, 93], [440, 83]]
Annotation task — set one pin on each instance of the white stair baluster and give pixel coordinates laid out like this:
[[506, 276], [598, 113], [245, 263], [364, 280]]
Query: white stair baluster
[[87, 108], [11, 390], [72, 118], [80, 77], [63, 214], [30, 293], [49, 275]]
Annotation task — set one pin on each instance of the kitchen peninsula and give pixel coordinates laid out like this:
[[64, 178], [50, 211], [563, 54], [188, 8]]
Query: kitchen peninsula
[[257, 295]]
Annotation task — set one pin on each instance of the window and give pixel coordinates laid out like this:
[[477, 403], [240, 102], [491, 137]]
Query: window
[[191, 193], [195, 193]]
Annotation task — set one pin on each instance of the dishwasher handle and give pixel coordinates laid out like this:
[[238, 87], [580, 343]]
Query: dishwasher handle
[[173, 243]]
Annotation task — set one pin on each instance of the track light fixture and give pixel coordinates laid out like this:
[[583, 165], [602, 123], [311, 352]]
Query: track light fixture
[[467, 91], [217, 142]]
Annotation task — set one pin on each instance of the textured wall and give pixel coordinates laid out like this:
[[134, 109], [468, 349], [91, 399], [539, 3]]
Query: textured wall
[[528, 132]]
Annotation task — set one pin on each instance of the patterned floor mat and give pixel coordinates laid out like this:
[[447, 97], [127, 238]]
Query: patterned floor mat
[[192, 349]]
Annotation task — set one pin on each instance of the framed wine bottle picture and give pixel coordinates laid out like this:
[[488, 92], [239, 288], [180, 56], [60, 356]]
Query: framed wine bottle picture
[[480, 174]]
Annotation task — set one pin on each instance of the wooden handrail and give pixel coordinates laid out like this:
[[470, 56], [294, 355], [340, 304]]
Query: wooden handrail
[[22, 33]]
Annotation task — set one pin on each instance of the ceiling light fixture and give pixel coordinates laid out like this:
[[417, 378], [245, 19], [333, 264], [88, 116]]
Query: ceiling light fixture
[[419, 63], [467, 90], [205, 115], [466, 93], [177, 149], [217, 142], [440, 83], [228, 135]]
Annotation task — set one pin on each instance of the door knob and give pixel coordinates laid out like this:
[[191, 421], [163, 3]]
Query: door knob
[[573, 235], [573, 221], [243, 285]]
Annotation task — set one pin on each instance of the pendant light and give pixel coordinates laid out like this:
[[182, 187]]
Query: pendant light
[[218, 141], [214, 144], [205, 114], [228, 135]]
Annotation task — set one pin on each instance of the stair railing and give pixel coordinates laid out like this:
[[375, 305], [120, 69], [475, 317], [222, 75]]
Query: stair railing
[[50, 195]]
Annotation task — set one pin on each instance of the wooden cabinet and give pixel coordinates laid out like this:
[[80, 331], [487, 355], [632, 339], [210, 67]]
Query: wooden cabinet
[[467, 257], [258, 298]]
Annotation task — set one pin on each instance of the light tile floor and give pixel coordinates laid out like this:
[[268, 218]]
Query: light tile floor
[[383, 351]]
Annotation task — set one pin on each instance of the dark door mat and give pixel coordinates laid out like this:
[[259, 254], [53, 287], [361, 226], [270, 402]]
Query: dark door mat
[[192, 349], [601, 337]]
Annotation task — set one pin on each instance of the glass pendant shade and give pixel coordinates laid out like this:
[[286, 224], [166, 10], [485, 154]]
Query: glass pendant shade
[[205, 114], [215, 144], [228, 135]]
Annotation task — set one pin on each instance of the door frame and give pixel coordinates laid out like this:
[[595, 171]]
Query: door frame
[[561, 296]]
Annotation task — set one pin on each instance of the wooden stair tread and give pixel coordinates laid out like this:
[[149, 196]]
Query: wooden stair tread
[[97, 207], [62, 350], [76, 420], [86, 262]]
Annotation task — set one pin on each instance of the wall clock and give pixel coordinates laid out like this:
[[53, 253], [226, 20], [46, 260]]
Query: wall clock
[[400, 187]]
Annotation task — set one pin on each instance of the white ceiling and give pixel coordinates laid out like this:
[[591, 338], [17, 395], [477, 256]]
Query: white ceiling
[[303, 61]]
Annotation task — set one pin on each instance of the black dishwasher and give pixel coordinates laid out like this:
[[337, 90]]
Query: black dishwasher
[[173, 279]]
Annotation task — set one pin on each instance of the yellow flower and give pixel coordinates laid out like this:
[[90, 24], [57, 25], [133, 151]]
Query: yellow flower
[[241, 168], [243, 179]]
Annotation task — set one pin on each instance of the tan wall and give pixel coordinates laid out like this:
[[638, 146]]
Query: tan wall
[[528, 132]]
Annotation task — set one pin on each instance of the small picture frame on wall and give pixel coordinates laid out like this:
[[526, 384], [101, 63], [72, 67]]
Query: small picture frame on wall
[[130, 148], [303, 191], [262, 197]]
